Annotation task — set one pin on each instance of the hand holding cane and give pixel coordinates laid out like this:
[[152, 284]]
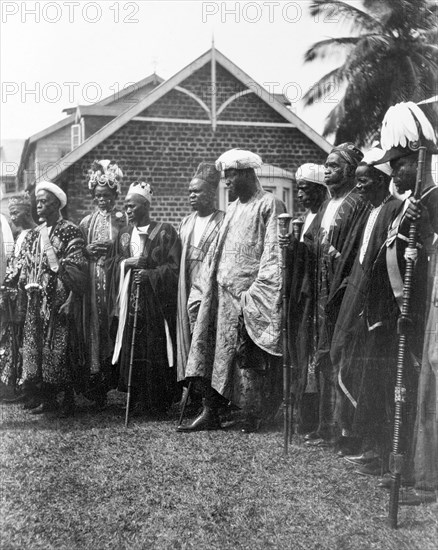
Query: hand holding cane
[[283, 229], [131, 356], [396, 458]]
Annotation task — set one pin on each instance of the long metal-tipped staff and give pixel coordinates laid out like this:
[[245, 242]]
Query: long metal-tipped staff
[[283, 229], [131, 356], [297, 228], [396, 457]]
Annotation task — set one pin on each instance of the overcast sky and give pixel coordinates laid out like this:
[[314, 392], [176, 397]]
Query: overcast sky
[[59, 54]]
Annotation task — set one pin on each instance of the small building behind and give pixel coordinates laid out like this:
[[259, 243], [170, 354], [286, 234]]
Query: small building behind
[[160, 130]]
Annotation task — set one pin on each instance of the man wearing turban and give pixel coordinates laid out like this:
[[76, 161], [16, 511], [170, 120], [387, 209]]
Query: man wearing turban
[[312, 192], [54, 275], [234, 306], [333, 241], [145, 257]]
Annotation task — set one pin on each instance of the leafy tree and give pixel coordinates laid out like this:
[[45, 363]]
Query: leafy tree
[[391, 56]]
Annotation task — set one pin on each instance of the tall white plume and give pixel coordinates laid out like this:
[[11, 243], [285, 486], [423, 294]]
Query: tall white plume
[[399, 126]]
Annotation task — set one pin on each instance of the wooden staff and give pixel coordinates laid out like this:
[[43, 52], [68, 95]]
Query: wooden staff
[[131, 357], [184, 402], [396, 457], [283, 229]]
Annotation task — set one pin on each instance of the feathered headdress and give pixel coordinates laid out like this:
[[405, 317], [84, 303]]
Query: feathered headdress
[[105, 173], [404, 128]]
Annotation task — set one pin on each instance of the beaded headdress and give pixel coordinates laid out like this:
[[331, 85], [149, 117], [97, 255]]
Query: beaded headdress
[[20, 200], [105, 173]]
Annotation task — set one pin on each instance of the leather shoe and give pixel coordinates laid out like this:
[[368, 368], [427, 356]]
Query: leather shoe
[[373, 468], [320, 443], [414, 497], [363, 458], [46, 407], [384, 482], [207, 420], [32, 403], [311, 436], [22, 398], [251, 425]]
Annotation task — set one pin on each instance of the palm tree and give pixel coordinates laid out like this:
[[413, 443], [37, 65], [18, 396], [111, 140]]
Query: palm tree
[[391, 56]]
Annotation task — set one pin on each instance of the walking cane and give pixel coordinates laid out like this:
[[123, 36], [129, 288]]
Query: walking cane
[[131, 357], [396, 457], [283, 229], [184, 402]]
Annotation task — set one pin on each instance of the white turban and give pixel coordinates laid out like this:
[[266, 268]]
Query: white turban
[[54, 189], [238, 159], [374, 154], [141, 188], [311, 172]]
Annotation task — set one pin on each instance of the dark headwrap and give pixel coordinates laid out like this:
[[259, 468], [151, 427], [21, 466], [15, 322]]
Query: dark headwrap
[[349, 152], [206, 172]]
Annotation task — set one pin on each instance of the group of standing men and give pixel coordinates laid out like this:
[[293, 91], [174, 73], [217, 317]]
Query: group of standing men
[[124, 299], [346, 277], [122, 294]]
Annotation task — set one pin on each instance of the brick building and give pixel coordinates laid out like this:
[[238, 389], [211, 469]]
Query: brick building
[[10, 152], [161, 130]]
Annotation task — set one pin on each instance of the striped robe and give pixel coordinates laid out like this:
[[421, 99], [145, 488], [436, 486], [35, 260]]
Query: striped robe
[[191, 261]]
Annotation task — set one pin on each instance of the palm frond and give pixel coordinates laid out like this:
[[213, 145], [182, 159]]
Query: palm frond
[[332, 80], [360, 18], [325, 48]]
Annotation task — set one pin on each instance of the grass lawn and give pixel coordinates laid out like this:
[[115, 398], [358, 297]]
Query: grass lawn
[[88, 483]]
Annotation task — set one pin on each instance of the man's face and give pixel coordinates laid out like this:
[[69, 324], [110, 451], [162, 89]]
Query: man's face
[[336, 171], [46, 204], [368, 183], [308, 193], [18, 214], [235, 180], [105, 198], [404, 173], [137, 209], [201, 195]]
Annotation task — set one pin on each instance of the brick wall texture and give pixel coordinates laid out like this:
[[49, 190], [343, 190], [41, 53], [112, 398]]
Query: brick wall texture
[[167, 153]]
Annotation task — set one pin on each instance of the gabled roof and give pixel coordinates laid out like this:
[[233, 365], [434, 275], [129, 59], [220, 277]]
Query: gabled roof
[[165, 87], [115, 104], [151, 79]]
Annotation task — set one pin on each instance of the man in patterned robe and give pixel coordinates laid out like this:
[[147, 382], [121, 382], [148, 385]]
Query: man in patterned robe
[[144, 262], [100, 232], [333, 241], [13, 300], [196, 232], [54, 274], [235, 305]]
